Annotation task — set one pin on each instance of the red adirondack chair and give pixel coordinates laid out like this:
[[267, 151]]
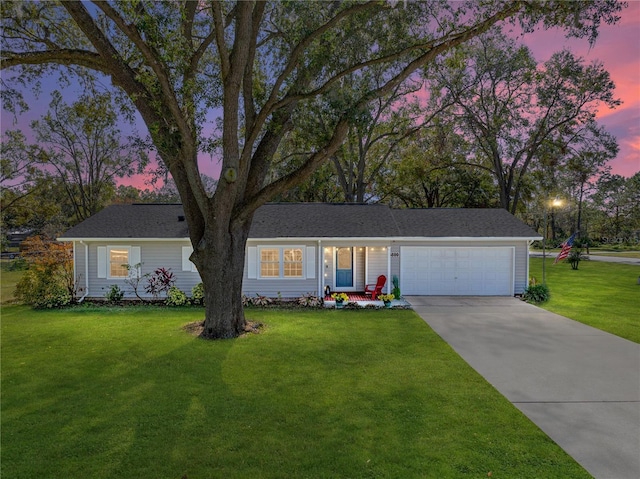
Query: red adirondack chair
[[375, 289]]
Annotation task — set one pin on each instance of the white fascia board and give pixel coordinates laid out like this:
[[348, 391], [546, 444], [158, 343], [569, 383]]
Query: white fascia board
[[396, 239], [324, 239], [351, 239], [107, 240], [465, 238]]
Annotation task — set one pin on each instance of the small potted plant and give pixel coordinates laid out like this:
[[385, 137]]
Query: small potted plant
[[386, 299], [339, 298]]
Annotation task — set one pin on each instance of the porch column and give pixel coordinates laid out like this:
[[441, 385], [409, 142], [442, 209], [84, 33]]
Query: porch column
[[320, 264], [388, 270]]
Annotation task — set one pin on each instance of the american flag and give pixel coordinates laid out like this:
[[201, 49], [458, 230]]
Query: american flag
[[566, 248]]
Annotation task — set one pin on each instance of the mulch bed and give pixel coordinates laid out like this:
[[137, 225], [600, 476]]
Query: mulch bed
[[196, 328]]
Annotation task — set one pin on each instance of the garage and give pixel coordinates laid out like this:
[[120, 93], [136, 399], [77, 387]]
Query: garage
[[457, 271]]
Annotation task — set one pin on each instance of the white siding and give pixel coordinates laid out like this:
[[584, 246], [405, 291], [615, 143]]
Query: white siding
[[377, 257], [153, 255], [283, 287], [169, 254]]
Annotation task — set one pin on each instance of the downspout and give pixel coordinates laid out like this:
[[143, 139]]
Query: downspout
[[86, 268]]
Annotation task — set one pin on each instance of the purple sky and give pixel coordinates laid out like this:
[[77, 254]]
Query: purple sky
[[618, 47]]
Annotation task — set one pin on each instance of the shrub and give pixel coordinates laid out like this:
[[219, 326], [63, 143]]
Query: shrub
[[160, 282], [134, 278], [43, 290], [396, 287], [17, 264], [261, 300], [310, 301], [575, 257], [176, 297], [538, 293], [49, 281], [114, 294], [197, 294]]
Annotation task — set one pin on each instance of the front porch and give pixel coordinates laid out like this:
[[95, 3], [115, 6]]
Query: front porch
[[363, 300], [350, 268]]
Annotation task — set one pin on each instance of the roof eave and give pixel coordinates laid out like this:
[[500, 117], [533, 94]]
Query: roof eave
[[103, 239]]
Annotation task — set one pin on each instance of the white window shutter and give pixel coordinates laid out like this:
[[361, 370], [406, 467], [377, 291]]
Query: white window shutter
[[311, 262], [252, 262], [187, 265], [102, 261], [134, 260]]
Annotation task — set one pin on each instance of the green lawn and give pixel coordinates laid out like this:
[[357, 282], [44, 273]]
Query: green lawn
[[122, 393], [8, 281], [603, 295]]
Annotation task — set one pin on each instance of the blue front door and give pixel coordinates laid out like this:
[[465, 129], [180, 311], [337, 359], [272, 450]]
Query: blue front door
[[344, 268]]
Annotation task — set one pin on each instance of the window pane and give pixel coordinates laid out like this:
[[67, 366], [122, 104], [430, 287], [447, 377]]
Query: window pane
[[270, 263], [344, 258], [270, 270], [293, 270], [118, 259], [293, 263], [269, 255], [293, 254]]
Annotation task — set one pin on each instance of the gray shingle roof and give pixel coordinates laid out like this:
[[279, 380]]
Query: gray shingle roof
[[323, 220], [133, 221], [311, 220], [461, 222]]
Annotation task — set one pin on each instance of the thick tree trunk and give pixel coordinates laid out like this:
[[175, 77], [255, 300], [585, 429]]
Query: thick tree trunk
[[220, 261]]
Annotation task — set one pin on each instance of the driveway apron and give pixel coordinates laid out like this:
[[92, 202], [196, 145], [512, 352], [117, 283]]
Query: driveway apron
[[580, 385]]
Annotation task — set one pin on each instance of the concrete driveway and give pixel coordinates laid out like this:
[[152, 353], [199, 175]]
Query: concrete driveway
[[580, 385]]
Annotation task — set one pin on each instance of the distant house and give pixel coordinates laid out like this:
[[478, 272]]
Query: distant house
[[15, 238], [299, 248]]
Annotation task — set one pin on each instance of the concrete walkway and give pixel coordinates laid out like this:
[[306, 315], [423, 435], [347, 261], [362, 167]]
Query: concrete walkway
[[580, 385]]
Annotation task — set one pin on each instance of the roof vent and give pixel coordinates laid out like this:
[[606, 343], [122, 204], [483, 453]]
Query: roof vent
[[180, 218]]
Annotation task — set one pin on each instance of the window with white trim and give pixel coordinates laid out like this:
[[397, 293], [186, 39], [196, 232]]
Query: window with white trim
[[118, 258], [281, 262], [113, 261]]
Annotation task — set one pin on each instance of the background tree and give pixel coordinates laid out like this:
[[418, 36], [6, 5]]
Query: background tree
[[260, 63], [82, 146], [20, 177], [617, 199], [513, 110], [586, 162], [431, 171]]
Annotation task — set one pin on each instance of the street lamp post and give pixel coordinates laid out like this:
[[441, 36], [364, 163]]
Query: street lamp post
[[556, 202]]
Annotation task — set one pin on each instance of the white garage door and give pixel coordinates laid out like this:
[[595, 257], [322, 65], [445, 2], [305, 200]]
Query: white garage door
[[443, 271]]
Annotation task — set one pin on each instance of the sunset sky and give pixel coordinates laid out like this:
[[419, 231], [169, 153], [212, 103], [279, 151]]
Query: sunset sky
[[618, 47]]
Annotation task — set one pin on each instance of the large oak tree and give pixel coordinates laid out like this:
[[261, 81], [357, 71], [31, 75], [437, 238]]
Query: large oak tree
[[259, 63]]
